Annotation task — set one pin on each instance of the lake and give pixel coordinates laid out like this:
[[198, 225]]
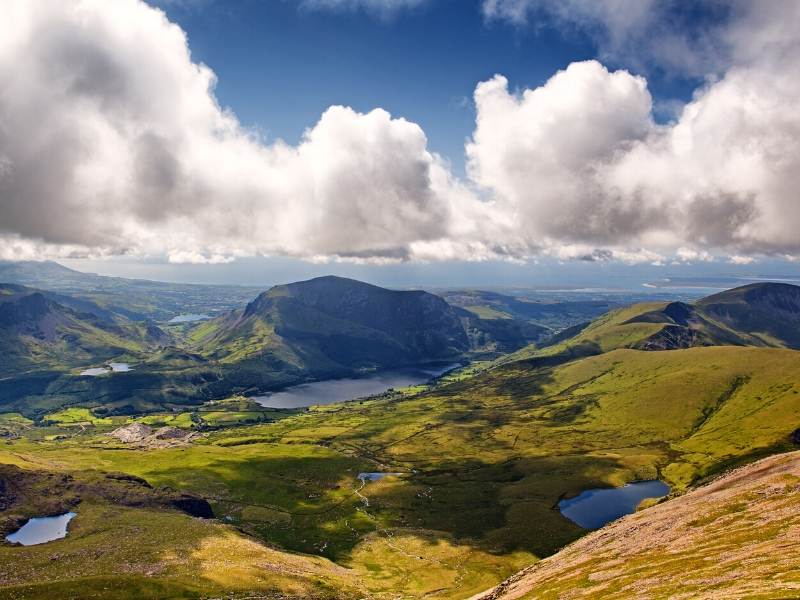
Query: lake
[[113, 367], [339, 390], [594, 508], [188, 318], [41, 530], [364, 477]]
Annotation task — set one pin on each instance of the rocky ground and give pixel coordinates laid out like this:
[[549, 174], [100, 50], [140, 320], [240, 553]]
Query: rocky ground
[[145, 437]]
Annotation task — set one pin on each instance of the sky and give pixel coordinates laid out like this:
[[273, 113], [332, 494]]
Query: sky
[[521, 142]]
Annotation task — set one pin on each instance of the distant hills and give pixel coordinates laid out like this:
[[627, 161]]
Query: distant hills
[[134, 299], [42, 330], [329, 327]]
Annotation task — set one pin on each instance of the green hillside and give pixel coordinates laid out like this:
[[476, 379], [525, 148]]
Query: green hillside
[[733, 538], [761, 314], [37, 332], [331, 324], [482, 460], [479, 461]]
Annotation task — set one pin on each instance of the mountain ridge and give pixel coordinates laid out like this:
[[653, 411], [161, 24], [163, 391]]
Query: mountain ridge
[[762, 314]]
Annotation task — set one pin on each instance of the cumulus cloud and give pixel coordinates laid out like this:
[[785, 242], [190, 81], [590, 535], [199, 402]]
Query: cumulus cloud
[[112, 142], [579, 159], [111, 139], [543, 152]]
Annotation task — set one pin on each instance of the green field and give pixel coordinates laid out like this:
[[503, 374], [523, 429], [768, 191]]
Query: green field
[[484, 458]]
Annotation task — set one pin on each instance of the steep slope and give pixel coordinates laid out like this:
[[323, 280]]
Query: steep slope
[[736, 537], [334, 324], [492, 335], [37, 332], [761, 314], [769, 312]]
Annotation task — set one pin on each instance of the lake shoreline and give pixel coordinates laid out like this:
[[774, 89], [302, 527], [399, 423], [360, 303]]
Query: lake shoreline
[[349, 388]]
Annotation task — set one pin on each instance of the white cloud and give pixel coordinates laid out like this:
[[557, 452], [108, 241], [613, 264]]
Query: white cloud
[[741, 260], [112, 142], [111, 139], [579, 159], [542, 152], [638, 32]]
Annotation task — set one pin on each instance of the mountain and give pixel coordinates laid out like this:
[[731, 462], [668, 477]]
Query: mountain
[[40, 331], [476, 464], [760, 314], [735, 537], [134, 299], [333, 324], [768, 312]]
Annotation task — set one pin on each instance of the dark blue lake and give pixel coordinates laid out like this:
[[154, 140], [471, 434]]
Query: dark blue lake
[[340, 390], [594, 508]]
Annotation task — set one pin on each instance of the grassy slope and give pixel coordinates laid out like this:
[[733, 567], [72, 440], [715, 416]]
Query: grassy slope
[[737, 537], [120, 552], [484, 459], [754, 315], [48, 335], [609, 332]]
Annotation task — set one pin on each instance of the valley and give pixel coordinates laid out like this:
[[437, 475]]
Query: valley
[[399, 300], [479, 460]]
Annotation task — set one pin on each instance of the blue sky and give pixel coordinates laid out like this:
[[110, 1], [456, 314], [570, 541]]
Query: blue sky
[[451, 142], [279, 66]]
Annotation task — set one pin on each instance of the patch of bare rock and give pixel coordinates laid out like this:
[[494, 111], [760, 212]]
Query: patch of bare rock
[[145, 437]]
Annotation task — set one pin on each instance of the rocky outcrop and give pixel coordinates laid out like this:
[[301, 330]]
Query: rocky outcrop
[[143, 436], [135, 432]]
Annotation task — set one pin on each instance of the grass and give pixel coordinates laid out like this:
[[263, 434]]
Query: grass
[[75, 416], [119, 552], [485, 455], [736, 539], [609, 332]]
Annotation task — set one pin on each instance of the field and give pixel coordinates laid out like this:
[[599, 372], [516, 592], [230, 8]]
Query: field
[[483, 458]]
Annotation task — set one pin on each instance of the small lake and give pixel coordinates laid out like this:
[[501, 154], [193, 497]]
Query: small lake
[[113, 367], [339, 390], [41, 530], [364, 477], [594, 508], [187, 319]]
